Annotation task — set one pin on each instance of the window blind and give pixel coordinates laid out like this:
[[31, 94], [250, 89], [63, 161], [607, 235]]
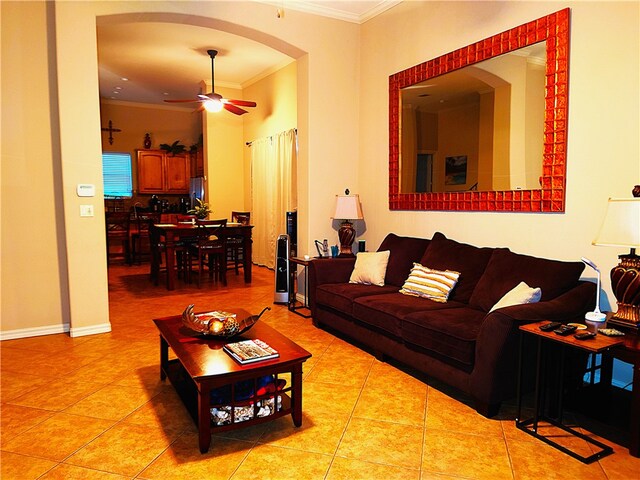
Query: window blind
[[116, 174]]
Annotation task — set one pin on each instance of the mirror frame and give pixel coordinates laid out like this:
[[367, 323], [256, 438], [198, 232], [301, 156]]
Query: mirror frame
[[553, 28]]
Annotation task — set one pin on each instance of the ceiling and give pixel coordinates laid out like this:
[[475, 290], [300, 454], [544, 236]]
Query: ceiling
[[148, 62]]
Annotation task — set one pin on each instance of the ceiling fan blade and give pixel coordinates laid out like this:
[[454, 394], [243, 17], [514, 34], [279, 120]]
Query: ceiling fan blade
[[199, 109], [183, 101], [241, 103], [211, 96], [233, 109]]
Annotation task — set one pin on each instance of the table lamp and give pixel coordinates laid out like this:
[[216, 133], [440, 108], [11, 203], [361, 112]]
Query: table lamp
[[596, 316], [621, 228], [347, 209]]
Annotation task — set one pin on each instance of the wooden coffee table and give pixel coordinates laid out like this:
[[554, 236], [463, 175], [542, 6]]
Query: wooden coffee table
[[200, 366]]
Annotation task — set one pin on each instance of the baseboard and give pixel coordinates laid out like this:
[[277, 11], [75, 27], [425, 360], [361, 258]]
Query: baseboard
[[34, 331], [54, 329], [91, 330]]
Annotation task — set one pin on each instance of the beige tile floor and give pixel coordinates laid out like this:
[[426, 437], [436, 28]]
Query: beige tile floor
[[94, 408]]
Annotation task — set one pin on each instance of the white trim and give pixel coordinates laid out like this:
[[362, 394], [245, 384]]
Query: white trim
[[267, 72], [91, 330], [347, 14], [155, 106], [34, 331]]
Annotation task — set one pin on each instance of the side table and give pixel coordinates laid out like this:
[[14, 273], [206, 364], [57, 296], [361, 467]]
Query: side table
[[293, 301], [599, 344]]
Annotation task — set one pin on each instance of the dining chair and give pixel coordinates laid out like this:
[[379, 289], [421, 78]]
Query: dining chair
[[235, 243], [210, 245], [117, 229], [139, 233], [157, 247]]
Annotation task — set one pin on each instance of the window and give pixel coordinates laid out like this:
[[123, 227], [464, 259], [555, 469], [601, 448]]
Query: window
[[116, 174]]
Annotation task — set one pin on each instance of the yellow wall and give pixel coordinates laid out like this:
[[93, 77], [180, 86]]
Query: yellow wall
[[51, 132], [32, 249], [165, 125], [457, 135], [604, 143], [276, 96], [71, 85], [223, 153]]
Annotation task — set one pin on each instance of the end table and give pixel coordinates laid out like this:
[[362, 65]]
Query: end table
[[293, 301], [626, 348]]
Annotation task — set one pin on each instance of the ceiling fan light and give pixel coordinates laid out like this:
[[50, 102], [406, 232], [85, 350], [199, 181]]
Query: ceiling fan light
[[213, 106]]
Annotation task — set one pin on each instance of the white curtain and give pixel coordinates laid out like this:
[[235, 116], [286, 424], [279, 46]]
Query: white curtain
[[273, 192]]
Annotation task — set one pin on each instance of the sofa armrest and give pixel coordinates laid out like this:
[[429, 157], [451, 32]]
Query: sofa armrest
[[322, 271], [494, 373]]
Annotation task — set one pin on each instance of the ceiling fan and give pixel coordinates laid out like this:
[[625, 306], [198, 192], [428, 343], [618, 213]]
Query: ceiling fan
[[214, 102]]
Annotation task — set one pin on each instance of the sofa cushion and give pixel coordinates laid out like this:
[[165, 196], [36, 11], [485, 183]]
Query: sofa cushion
[[449, 333], [370, 268], [404, 251], [425, 282], [340, 296], [386, 311], [518, 295], [470, 261], [507, 269]]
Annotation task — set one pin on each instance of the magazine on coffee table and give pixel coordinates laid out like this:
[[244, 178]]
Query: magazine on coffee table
[[248, 351]]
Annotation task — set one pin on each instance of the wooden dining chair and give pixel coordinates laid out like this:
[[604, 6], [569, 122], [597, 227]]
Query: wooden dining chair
[[210, 248], [117, 229], [139, 234], [235, 243]]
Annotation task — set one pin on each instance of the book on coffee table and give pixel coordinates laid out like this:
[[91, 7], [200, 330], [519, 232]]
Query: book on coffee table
[[248, 351]]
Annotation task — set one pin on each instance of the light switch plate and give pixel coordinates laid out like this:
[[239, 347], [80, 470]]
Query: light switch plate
[[86, 210]]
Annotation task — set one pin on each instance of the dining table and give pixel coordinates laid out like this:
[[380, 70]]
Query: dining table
[[168, 235]]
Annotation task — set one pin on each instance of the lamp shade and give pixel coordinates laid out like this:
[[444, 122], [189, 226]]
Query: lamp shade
[[348, 208], [621, 225]]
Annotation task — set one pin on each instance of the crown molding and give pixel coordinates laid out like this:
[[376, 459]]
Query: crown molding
[[338, 14]]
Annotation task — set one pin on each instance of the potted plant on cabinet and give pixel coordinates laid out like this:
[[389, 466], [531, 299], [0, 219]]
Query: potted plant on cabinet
[[201, 210]]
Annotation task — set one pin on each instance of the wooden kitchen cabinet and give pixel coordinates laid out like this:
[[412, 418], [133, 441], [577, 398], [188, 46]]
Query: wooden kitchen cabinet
[[162, 172], [197, 163]]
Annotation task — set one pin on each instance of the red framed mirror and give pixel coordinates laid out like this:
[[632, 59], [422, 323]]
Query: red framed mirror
[[550, 197]]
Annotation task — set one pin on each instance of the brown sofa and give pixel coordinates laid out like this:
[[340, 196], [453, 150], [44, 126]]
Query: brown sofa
[[457, 342]]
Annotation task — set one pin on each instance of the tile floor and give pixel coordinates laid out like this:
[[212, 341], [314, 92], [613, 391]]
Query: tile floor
[[94, 408]]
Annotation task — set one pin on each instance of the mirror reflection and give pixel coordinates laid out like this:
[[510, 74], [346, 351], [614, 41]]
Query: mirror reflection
[[476, 128]]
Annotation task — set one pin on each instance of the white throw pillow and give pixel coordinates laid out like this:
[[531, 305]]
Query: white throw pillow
[[425, 282], [518, 295], [370, 268]]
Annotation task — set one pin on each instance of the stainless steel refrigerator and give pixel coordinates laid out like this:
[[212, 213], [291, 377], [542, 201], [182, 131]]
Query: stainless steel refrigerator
[[196, 190]]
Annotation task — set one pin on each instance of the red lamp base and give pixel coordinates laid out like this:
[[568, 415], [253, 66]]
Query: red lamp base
[[347, 235], [625, 281]]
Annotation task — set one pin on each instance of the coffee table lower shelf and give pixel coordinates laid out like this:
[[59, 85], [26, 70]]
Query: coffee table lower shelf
[[188, 392]]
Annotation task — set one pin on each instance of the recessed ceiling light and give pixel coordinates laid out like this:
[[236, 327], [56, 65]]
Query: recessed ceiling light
[[166, 93], [124, 79], [116, 92], [118, 88]]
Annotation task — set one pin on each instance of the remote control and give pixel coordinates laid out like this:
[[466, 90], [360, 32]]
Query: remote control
[[549, 326], [610, 332], [584, 335], [565, 330]]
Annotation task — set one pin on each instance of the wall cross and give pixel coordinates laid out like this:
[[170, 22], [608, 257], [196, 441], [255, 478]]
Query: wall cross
[[111, 131]]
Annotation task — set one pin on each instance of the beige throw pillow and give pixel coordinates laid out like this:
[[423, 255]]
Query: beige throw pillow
[[518, 295], [425, 282], [370, 268]]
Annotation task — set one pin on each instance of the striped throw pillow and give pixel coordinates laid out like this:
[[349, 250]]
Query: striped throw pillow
[[428, 283]]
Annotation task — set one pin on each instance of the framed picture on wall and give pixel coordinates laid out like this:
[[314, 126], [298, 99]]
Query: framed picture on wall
[[455, 170]]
